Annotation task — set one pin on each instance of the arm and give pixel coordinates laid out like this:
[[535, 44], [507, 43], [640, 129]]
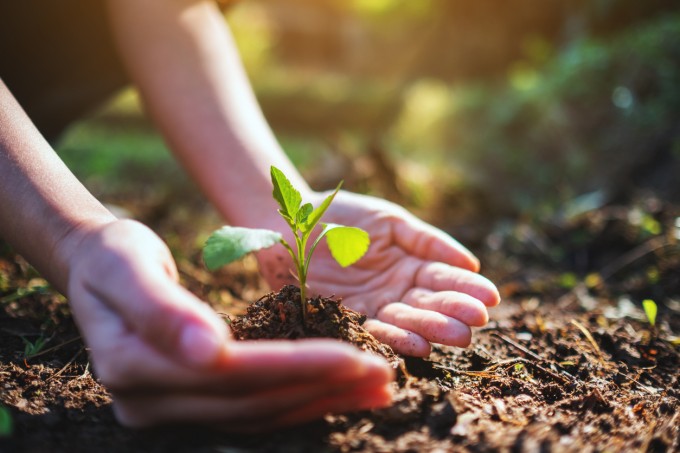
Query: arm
[[43, 207], [59, 227], [182, 58]]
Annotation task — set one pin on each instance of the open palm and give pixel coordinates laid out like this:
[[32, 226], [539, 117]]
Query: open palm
[[416, 284]]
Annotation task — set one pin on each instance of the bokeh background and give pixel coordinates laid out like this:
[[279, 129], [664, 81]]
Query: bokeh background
[[470, 113]]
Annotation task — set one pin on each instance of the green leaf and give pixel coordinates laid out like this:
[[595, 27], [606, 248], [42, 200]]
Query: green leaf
[[303, 214], [231, 243], [650, 310], [6, 424], [347, 244], [316, 215], [285, 194]]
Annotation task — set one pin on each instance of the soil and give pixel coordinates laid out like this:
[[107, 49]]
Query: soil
[[278, 315], [568, 363]]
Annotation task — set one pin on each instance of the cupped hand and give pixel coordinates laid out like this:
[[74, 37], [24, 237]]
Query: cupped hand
[[167, 357], [416, 284]]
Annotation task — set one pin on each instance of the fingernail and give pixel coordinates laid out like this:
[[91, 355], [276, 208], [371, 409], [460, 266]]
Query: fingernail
[[376, 367], [377, 401], [200, 345], [373, 399], [373, 361]]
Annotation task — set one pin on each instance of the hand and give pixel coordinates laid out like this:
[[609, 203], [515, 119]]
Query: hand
[[167, 357], [416, 284]]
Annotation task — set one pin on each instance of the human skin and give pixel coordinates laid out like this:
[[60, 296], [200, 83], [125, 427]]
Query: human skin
[[417, 283], [165, 355]]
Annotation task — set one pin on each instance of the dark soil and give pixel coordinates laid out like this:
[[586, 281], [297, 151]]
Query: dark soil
[[568, 362], [279, 316]]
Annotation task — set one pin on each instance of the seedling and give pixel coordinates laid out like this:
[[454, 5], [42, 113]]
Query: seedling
[[32, 348], [649, 306], [347, 244]]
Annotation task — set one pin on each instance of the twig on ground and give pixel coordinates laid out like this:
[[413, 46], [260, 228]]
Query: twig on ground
[[518, 346], [639, 384], [58, 373], [483, 374], [534, 356], [535, 365], [591, 340], [650, 246], [86, 372]]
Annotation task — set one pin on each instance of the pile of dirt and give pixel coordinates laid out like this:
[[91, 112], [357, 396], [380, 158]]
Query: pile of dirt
[[278, 315]]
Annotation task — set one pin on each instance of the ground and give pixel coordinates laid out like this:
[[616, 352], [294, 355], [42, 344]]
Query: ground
[[569, 361]]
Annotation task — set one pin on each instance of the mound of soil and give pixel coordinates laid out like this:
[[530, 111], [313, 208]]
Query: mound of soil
[[278, 315]]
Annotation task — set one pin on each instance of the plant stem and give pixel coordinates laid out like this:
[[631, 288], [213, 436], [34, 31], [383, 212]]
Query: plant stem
[[301, 269], [303, 300], [302, 275]]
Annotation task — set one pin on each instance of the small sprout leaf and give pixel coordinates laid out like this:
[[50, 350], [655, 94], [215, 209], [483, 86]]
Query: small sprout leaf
[[593, 280], [347, 244], [316, 215], [303, 214], [285, 194], [650, 310], [231, 243]]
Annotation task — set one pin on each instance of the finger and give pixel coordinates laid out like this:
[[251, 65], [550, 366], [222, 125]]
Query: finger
[[247, 367], [442, 277], [400, 340], [135, 279], [358, 400], [246, 408], [432, 244], [383, 288], [314, 359], [434, 327], [460, 306], [163, 313]]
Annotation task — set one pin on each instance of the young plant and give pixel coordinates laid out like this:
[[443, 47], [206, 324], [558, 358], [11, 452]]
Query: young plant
[[347, 244], [32, 348], [649, 306]]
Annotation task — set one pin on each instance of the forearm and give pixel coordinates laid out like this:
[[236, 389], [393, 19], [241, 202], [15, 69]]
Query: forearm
[[181, 56], [43, 207]]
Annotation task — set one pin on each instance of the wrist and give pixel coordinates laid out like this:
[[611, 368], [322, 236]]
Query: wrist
[[70, 246]]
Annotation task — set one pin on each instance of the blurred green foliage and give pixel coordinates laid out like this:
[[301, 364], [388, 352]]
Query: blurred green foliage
[[6, 422], [600, 116], [117, 148]]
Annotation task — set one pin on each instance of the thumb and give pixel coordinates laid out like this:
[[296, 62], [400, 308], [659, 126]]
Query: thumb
[[160, 312], [176, 322], [190, 329], [123, 282]]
